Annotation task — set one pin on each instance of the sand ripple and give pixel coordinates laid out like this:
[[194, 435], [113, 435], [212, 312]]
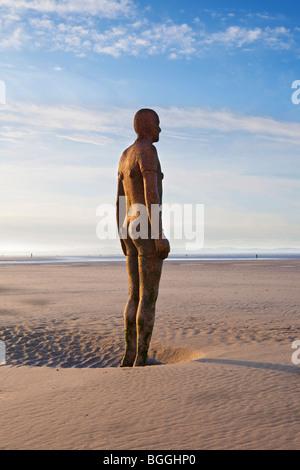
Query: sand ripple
[[68, 347]]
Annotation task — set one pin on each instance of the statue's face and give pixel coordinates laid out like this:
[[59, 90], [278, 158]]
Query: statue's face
[[155, 129]]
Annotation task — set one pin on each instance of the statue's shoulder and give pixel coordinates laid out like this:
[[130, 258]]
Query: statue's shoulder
[[146, 149], [126, 153], [128, 150], [147, 157], [138, 154]]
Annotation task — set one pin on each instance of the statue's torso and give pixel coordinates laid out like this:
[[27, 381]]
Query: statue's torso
[[135, 160]]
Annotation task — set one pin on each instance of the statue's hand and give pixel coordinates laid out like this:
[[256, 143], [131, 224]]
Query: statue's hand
[[162, 246]]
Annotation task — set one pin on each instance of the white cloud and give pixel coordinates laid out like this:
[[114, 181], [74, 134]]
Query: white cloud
[[221, 184], [278, 37], [100, 140], [268, 17], [64, 117], [166, 36], [118, 121], [104, 8], [41, 23], [155, 39], [227, 121], [176, 40], [6, 65], [30, 125], [82, 33], [14, 41], [8, 18]]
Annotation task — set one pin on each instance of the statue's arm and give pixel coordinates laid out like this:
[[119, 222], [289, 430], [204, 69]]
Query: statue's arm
[[151, 194], [152, 197], [120, 192]]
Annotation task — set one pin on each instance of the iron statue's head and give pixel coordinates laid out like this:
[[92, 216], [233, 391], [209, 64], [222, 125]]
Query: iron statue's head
[[146, 124]]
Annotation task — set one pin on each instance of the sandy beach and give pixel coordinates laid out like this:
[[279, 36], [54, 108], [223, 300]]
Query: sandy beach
[[222, 342]]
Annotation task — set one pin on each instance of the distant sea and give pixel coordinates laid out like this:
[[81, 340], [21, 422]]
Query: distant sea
[[9, 260]]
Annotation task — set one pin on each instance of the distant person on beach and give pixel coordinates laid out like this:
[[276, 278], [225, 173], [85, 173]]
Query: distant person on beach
[[140, 181]]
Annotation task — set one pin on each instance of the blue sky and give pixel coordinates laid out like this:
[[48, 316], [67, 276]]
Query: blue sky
[[219, 74]]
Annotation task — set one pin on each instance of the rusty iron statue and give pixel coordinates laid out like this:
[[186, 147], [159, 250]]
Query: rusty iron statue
[[140, 184]]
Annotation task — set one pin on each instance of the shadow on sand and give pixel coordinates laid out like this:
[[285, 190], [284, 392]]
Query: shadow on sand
[[254, 365]]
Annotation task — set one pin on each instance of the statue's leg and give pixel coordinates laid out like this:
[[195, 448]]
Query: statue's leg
[[131, 311], [149, 272]]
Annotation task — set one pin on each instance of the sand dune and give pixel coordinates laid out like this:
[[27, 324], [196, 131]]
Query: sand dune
[[221, 374]]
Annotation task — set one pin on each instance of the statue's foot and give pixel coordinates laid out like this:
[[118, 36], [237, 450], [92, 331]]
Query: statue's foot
[[126, 363], [128, 359], [140, 362]]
